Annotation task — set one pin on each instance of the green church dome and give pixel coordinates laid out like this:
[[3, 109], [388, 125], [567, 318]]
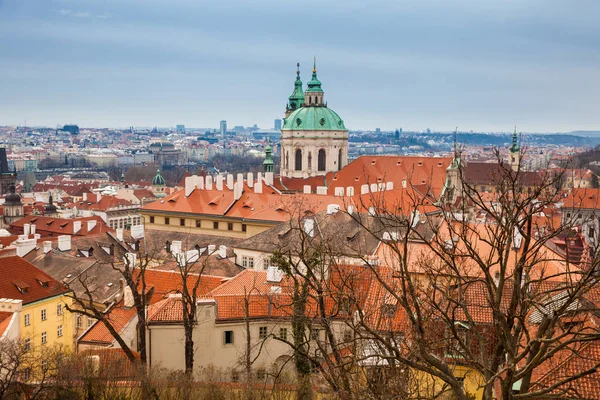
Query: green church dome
[[313, 119], [158, 180]]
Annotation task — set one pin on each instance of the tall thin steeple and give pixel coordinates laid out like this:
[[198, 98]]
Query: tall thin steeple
[[268, 164], [296, 99]]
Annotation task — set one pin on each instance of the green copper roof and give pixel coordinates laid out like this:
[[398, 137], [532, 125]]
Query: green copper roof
[[268, 164], [313, 119], [314, 85], [158, 180], [296, 99], [514, 148]]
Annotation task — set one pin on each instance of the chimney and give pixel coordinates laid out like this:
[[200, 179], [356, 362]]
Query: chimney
[[64, 243], [223, 251], [238, 189], [119, 234], [130, 260], [259, 177], [76, 226], [199, 182], [338, 191], [250, 179], [381, 187], [374, 188], [309, 227], [32, 229], [26, 229], [333, 209], [137, 231], [209, 182], [269, 178], [189, 185], [350, 210], [350, 191], [176, 247], [240, 178], [211, 249], [274, 275], [10, 305], [258, 188], [307, 189], [47, 246], [322, 190], [404, 183], [230, 181], [389, 186], [25, 246], [219, 182], [84, 196], [91, 224], [364, 189], [98, 197]]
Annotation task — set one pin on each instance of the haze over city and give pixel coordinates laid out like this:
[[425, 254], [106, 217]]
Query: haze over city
[[483, 66]]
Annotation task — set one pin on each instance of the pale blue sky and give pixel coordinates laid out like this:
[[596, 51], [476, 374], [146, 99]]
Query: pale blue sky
[[481, 65]]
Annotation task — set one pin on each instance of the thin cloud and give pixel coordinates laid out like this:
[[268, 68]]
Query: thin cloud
[[75, 14]]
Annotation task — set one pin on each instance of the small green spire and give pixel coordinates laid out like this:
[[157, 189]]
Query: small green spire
[[514, 148], [296, 99], [158, 180], [315, 84], [268, 164]]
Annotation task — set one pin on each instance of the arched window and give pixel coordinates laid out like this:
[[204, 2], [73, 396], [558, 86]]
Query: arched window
[[287, 157], [321, 160], [298, 160], [340, 160], [309, 160]]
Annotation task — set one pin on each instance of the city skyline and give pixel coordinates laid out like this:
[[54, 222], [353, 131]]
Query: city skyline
[[483, 67]]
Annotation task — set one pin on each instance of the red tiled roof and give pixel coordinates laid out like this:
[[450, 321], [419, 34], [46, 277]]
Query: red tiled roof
[[118, 317], [49, 226], [16, 272], [588, 198], [5, 318]]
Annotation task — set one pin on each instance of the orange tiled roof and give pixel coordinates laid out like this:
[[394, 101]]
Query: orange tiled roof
[[588, 198], [5, 318], [50, 226], [21, 280], [118, 317]]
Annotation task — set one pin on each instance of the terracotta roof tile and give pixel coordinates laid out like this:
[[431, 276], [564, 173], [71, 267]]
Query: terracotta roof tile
[[17, 273]]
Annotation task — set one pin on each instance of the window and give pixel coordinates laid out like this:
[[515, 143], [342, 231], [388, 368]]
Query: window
[[230, 226], [261, 374], [182, 221], [262, 332], [228, 337], [235, 376], [389, 310], [27, 373], [283, 333], [44, 314], [216, 225], [568, 215], [59, 331], [90, 321], [347, 335], [27, 320], [59, 309], [27, 344], [298, 166], [314, 334], [167, 220], [244, 228], [591, 232], [79, 322], [321, 160], [44, 366], [247, 262], [339, 166], [151, 219], [198, 223], [44, 337]]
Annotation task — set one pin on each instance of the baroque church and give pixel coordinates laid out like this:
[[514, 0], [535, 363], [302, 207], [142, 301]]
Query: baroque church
[[314, 140]]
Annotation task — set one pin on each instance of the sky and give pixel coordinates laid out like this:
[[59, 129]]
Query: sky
[[479, 65]]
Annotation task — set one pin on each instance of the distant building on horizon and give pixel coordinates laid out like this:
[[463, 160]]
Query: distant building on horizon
[[223, 128], [277, 124], [72, 129], [180, 128]]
